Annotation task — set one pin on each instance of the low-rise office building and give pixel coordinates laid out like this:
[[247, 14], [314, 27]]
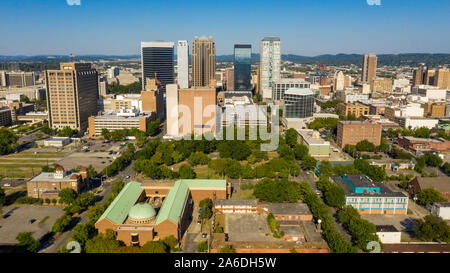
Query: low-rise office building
[[369, 197], [356, 109], [125, 119], [317, 147], [414, 123]]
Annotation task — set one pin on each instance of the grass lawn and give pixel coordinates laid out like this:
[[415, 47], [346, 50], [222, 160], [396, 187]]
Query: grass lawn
[[243, 195], [408, 237], [203, 172], [220, 220], [24, 171], [38, 155]]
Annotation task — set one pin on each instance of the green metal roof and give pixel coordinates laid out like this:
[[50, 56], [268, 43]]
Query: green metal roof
[[142, 211], [175, 199], [118, 210]]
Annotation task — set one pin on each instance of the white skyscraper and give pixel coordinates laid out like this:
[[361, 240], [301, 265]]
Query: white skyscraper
[[270, 62], [183, 64]]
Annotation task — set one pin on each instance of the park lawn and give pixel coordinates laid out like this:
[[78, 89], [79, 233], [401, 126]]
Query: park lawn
[[24, 171], [203, 172], [243, 195], [36, 161], [38, 155], [220, 220]]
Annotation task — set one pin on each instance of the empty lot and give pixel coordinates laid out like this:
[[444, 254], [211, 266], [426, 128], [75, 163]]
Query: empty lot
[[18, 218], [248, 228]]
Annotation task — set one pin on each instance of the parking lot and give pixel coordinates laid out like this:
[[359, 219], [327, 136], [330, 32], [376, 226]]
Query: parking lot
[[401, 222], [96, 153], [18, 221], [248, 228]]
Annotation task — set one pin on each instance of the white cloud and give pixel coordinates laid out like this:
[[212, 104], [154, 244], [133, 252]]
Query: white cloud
[[74, 2], [374, 2]]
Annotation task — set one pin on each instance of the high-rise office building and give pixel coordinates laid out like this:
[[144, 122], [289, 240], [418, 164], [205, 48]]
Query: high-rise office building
[[418, 77], [183, 64], [442, 78], [242, 67], [299, 103], [203, 61], [369, 69], [429, 77], [190, 110], [158, 61], [229, 75], [270, 62], [72, 94]]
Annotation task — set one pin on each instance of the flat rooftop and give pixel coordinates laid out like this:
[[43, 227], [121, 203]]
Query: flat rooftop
[[384, 191], [288, 208], [50, 177], [307, 135]]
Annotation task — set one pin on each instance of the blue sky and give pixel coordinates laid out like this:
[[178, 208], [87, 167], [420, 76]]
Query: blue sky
[[306, 27]]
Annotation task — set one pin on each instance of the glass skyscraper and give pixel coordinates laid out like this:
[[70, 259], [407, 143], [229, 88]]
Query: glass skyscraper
[[242, 67]]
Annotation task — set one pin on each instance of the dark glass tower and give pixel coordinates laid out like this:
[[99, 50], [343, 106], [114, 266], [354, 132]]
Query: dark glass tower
[[157, 59], [242, 67]]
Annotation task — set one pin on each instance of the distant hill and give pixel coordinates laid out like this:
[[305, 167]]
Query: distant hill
[[412, 59]]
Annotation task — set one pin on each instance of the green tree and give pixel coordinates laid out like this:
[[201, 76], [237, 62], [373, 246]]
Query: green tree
[[67, 195], [365, 145], [335, 196], [92, 172], [309, 163], [186, 172], [301, 151], [27, 242], [433, 228], [62, 223], [429, 196], [199, 158], [67, 132], [153, 128], [202, 246], [7, 138], [2, 197], [206, 206], [227, 249], [291, 137], [155, 247], [170, 242], [103, 243]]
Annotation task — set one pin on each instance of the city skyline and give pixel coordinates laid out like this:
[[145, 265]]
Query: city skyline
[[306, 28]]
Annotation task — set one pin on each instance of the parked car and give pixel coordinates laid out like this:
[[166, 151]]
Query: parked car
[[31, 221], [204, 235], [226, 237], [199, 222]]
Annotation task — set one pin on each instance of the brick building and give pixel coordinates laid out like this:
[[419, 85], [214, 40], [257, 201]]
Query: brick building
[[352, 132], [134, 220], [369, 197], [355, 109], [441, 184], [49, 185], [416, 144]]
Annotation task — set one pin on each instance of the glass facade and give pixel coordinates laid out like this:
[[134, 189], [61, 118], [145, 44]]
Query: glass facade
[[242, 67], [298, 105]]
